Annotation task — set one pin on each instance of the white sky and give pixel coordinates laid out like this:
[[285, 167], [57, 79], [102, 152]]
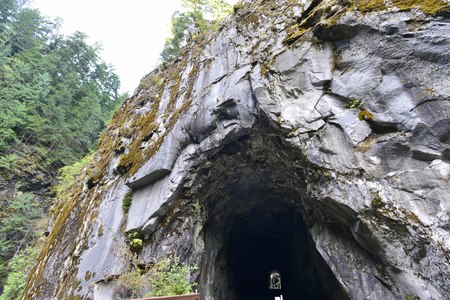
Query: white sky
[[131, 32]]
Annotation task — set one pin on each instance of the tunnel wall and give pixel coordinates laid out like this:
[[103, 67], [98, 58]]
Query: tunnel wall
[[254, 223]]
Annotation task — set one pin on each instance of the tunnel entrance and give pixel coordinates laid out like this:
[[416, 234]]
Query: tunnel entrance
[[255, 202], [273, 238]]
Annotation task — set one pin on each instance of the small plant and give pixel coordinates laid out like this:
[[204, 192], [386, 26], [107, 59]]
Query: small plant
[[170, 278], [365, 116], [376, 201], [136, 244], [126, 203], [67, 175], [135, 241], [164, 278], [355, 103], [133, 284]]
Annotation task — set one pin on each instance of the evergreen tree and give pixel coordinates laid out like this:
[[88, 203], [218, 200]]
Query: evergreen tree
[[55, 92], [56, 96], [199, 16], [17, 228]]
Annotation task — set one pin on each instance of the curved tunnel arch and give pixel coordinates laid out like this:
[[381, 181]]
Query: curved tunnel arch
[[255, 223]]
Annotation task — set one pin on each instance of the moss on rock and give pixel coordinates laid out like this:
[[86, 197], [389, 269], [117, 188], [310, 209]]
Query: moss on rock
[[430, 7], [126, 203], [328, 13], [377, 202], [365, 115], [370, 5]]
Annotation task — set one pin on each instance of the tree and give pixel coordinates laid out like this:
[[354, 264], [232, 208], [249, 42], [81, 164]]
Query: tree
[[55, 92], [8, 8], [199, 16], [16, 228], [56, 96], [19, 267]]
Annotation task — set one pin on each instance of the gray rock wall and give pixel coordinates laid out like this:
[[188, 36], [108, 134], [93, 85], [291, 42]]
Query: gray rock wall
[[332, 116]]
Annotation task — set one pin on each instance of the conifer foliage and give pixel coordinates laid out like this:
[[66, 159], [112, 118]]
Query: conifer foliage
[[55, 92], [199, 16], [56, 96]]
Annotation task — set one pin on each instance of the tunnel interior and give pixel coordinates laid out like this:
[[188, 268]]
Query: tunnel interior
[[267, 238]]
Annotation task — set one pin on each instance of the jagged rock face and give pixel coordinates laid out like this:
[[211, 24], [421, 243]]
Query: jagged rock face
[[311, 137]]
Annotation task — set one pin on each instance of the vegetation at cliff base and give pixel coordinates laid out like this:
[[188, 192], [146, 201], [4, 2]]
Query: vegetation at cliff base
[[20, 265], [166, 277], [171, 278], [19, 227]]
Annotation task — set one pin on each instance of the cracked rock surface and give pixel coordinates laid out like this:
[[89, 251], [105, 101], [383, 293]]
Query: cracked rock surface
[[321, 127]]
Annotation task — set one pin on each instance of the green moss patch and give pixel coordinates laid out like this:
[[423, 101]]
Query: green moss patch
[[430, 7], [145, 125], [365, 116], [328, 13], [370, 5], [135, 241], [294, 33], [354, 103], [126, 202], [377, 203]]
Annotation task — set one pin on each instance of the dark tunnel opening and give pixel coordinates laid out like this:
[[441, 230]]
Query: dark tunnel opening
[[262, 241], [255, 224]]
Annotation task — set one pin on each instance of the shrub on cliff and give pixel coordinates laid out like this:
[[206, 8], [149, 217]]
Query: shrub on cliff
[[170, 278]]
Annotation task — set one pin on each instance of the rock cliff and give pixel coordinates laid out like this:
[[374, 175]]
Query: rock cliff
[[312, 137]]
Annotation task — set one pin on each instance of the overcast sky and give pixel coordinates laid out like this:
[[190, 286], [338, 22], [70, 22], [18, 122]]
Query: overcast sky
[[132, 32]]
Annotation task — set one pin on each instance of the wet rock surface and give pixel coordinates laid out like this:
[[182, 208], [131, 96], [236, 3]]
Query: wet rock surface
[[311, 137]]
